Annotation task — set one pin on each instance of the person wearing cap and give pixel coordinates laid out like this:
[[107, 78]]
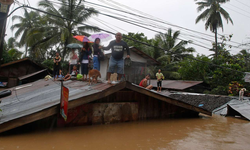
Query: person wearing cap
[[144, 82]]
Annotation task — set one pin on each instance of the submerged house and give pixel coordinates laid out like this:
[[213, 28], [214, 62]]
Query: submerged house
[[136, 71], [100, 103], [21, 71]]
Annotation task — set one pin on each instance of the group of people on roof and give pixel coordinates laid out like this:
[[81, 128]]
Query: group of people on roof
[[117, 46]]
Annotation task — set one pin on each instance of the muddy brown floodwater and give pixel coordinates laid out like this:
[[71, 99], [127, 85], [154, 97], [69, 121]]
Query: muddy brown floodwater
[[215, 133]]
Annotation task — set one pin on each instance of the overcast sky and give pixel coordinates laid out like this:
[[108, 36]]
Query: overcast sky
[[178, 12]]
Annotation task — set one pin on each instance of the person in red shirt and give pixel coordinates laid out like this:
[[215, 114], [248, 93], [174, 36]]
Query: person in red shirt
[[144, 82]]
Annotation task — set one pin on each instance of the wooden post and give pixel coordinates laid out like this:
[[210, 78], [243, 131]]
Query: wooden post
[[61, 93]]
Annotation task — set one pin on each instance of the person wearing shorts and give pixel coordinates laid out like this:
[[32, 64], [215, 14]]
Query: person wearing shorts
[[116, 60], [159, 77]]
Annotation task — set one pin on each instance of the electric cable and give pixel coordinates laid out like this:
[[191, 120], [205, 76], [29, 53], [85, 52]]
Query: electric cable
[[127, 38]]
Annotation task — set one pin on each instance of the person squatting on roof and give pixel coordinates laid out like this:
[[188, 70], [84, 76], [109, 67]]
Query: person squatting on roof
[[117, 49], [73, 73], [144, 82], [84, 59]]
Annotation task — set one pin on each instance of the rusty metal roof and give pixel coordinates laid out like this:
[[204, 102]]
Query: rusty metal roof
[[43, 97], [176, 84], [40, 95]]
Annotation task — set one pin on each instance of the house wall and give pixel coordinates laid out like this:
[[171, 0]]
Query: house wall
[[11, 73], [123, 106], [133, 56]]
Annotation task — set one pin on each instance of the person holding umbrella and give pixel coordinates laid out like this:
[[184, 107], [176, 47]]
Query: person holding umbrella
[[117, 47], [84, 59], [97, 51]]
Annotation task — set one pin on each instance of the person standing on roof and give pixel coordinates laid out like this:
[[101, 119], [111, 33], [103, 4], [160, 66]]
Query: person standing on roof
[[159, 77], [84, 59], [73, 59], [57, 65], [97, 51], [117, 49]]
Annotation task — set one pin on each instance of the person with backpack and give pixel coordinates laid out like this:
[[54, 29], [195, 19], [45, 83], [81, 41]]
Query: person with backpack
[[84, 59]]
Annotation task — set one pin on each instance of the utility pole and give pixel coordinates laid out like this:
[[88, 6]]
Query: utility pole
[[4, 10]]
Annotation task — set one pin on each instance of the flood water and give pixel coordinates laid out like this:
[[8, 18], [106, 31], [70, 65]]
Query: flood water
[[215, 133]]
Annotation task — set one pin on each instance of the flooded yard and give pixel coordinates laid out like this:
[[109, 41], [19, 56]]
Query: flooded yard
[[196, 133]]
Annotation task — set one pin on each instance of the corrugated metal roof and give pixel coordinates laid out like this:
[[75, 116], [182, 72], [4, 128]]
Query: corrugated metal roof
[[176, 84], [242, 109], [41, 95], [32, 74]]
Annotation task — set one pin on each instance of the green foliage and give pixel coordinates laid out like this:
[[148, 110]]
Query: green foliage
[[151, 51], [223, 76], [212, 13], [219, 90], [15, 54], [6, 57], [175, 50], [48, 63], [234, 87], [39, 33], [191, 69]]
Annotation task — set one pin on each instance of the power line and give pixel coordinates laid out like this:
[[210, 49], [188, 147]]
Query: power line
[[237, 12], [201, 37], [124, 37], [139, 24], [130, 39], [242, 3], [147, 18], [239, 8], [151, 15]]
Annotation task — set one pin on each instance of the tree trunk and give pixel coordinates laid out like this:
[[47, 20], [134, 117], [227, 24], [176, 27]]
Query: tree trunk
[[2, 32], [26, 50], [216, 45]]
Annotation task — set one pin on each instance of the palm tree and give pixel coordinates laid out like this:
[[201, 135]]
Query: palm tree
[[212, 15], [245, 55], [27, 22], [174, 50], [58, 31]]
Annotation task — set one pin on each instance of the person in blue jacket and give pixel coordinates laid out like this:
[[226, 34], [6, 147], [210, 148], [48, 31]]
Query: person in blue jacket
[[84, 59]]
